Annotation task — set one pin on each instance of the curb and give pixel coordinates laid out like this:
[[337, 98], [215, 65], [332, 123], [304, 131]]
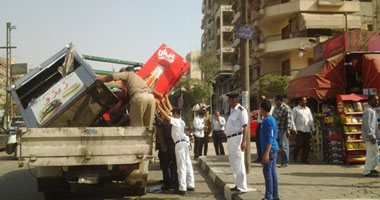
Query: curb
[[252, 193]]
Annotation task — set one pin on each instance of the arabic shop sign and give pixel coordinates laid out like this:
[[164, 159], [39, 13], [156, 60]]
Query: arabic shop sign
[[244, 32]]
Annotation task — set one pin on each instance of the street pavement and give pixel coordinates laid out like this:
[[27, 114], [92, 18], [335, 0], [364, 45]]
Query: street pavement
[[18, 184], [297, 181]]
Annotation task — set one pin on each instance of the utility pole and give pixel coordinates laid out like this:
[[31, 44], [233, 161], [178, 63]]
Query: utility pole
[[8, 111], [244, 49]]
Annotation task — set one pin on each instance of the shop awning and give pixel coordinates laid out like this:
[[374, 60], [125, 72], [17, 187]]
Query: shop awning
[[328, 21], [371, 71], [324, 79]]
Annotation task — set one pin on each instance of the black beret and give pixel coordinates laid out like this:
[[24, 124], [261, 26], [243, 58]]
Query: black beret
[[233, 94], [177, 111]]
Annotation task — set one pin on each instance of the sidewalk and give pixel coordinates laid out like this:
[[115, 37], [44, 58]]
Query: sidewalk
[[298, 181]]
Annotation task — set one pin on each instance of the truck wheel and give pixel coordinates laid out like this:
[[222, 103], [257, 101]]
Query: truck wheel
[[140, 191], [53, 195]]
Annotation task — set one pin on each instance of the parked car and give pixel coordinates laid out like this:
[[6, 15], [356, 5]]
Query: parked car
[[14, 124], [3, 138], [253, 123]]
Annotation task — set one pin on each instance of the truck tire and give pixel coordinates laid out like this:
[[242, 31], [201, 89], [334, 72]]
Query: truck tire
[[53, 195]]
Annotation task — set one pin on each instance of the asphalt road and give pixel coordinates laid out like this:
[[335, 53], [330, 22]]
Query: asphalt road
[[19, 184]]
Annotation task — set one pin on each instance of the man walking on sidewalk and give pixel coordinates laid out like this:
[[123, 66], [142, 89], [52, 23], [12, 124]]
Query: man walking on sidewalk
[[199, 126], [257, 140], [370, 132], [268, 137], [236, 131], [304, 125], [283, 115], [218, 124]]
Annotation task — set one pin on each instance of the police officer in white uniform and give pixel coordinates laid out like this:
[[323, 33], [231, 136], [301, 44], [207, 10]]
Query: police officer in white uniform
[[236, 132], [184, 165]]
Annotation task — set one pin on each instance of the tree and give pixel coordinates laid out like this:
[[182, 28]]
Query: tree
[[209, 65], [194, 92], [272, 85]]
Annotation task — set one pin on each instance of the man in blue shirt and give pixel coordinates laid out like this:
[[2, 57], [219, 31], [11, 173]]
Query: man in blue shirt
[[269, 147]]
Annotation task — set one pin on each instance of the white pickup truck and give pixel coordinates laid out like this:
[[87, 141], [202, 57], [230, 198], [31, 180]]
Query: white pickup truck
[[61, 102], [65, 156]]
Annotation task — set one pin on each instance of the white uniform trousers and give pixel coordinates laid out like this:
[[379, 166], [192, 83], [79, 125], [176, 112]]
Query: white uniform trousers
[[236, 157], [371, 157], [184, 166]]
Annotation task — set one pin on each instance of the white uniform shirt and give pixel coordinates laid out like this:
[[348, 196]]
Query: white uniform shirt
[[303, 119], [178, 129], [199, 127], [218, 125], [237, 119]]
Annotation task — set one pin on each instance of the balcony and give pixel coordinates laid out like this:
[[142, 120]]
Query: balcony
[[283, 11], [274, 45], [227, 28]]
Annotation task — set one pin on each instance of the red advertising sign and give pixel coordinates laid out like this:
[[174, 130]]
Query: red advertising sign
[[163, 69], [356, 41]]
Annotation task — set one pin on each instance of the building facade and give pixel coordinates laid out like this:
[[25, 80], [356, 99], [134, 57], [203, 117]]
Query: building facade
[[285, 32], [217, 38], [194, 71]]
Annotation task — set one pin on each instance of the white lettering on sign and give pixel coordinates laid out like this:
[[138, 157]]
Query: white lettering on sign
[[164, 55]]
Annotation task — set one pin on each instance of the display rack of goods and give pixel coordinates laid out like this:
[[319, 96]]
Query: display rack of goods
[[351, 108], [332, 140]]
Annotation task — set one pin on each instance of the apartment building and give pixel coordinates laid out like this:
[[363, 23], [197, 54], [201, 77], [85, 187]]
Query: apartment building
[[285, 31], [217, 38], [193, 71]]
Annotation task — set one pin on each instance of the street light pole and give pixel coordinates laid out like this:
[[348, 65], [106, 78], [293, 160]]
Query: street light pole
[[8, 102], [246, 84]]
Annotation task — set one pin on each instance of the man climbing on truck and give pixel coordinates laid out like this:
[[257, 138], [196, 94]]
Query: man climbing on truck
[[141, 97]]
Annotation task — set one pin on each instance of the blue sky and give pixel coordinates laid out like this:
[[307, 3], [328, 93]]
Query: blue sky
[[124, 29]]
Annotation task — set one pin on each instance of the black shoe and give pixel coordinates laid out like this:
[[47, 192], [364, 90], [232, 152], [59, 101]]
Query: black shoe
[[371, 175], [284, 166], [234, 189], [375, 172], [276, 198], [305, 162], [237, 192], [191, 189], [165, 188], [180, 192], [257, 161]]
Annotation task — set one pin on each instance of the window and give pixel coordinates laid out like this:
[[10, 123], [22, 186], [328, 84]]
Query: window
[[285, 68], [370, 27], [254, 117]]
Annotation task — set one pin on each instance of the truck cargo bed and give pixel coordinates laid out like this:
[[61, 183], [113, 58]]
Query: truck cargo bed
[[85, 146]]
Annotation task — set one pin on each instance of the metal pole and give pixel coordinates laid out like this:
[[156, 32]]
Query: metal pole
[[6, 110], [346, 21], [9, 71], [246, 84]]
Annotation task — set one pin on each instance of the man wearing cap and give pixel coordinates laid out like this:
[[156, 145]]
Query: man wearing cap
[[199, 127], [184, 166], [236, 132], [141, 96]]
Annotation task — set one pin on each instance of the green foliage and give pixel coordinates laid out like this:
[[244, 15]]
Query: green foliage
[[209, 65], [271, 85], [194, 92]]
